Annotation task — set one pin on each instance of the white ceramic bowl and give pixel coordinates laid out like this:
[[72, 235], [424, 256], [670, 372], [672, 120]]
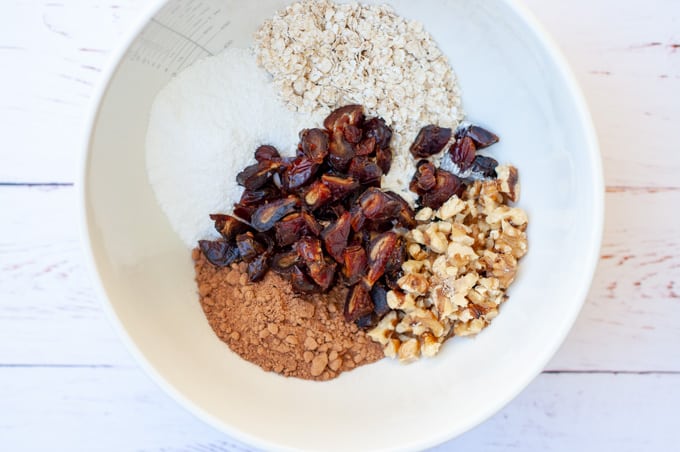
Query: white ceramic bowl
[[513, 80]]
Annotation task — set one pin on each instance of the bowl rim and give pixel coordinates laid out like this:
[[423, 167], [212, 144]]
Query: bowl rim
[[595, 240]]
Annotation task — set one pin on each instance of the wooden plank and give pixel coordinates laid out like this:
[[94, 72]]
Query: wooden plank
[[626, 57], [114, 409], [52, 53], [49, 314], [52, 58]]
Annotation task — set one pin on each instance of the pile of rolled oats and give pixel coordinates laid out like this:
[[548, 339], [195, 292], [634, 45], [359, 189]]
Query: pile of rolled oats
[[322, 54], [462, 259]]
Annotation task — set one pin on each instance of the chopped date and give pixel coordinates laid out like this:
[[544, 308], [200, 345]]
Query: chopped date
[[228, 226], [257, 268], [378, 206], [383, 159], [358, 303], [379, 297], [377, 129], [335, 236], [259, 196], [266, 216], [309, 250], [301, 282], [341, 153], [322, 273], [425, 177], [366, 322], [314, 144], [380, 250], [365, 171], [244, 212], [430, 140], [219, 253], [485, 165], [298, 173], [357, 218], [283, 263], [339, 119], [290, 229], [339, 186], [482, 137], [266, 153], [406, 216], [446, 186], [355, 261], [463, 152], [352, 134], [313, 226], [255, 176], [317, 194], [365, 147], [249, 248]]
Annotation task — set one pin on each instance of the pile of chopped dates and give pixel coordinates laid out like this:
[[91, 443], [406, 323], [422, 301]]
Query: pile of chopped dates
[[320, 218]]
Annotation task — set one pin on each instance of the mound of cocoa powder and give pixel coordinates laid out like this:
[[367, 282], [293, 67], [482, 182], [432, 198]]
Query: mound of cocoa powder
[[270, 325]]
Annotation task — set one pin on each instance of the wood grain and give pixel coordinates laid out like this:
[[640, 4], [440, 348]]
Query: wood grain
[[120, 409]]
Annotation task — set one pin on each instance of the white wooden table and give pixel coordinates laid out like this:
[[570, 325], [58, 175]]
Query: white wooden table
[[67, 383]]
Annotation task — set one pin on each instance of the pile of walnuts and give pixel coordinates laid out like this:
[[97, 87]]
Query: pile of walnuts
[[462, 258]]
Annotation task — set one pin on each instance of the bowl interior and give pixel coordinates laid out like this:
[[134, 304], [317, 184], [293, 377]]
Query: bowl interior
[[511, 82]]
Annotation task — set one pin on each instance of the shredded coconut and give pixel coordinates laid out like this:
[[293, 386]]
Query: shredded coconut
[[323, 55], [204, 127]]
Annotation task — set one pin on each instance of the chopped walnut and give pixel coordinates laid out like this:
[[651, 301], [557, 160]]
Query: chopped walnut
[[462, 259]]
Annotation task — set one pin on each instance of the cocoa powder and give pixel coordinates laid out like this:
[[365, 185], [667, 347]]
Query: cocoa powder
[[270, 325]]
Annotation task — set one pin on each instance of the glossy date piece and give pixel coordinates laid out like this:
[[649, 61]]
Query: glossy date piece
[[335, 236], [266, 153], [283, 263], [258, 267], [481, 137], [219, 253], [339, 119], [424, 179], [378, 206], [447, 185], [365, 171], [229, 227], [383, 159], [290, 229], [322, 273], [340, 153], [379, 251], [314, 144], [259, 196], [317, 194], [366, 147], [340, 187], [355, 261], [298, 173], [309, 249], [255, 176], [266, 216], [406, 216], [301, 282], [358, 303], [379, 297], [249, 248], [463, 152], [377, 129], [430, 140], [485, 165]]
